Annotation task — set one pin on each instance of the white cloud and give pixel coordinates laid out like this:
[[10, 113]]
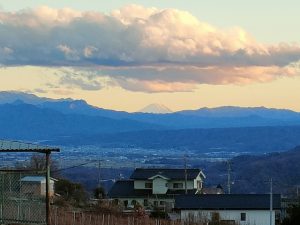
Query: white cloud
[[157, 50]]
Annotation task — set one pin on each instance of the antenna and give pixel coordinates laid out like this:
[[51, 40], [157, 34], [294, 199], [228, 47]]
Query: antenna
[[228, 176], [185, 173], [271, 199]]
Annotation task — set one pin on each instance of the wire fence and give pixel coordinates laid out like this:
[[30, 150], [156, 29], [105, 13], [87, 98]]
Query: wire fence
[[22, 197]]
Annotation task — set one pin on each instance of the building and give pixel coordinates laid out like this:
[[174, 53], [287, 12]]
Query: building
[[248, 209], [212, 190], [156, 187], [36, 186]]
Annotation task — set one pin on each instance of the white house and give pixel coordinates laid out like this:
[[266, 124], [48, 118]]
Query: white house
[[36, 186], [157, 187], [243, 209]]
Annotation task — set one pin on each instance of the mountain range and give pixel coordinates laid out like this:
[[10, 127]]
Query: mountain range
[[28, 117]]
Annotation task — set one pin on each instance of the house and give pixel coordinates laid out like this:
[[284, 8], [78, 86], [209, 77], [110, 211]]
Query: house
[[157, 187], [248, 209], [36, 186]]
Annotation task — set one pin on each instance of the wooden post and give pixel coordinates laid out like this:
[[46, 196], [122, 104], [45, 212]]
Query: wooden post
[[48, 216]]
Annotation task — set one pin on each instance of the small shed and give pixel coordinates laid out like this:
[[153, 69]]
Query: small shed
[[18, 207], [36, 186]]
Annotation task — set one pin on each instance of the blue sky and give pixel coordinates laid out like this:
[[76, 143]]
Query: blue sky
[[126, 54]]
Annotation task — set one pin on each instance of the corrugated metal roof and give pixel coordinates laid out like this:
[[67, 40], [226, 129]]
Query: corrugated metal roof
[[227, 201], [35, 179], [17, 146], [175, 174]]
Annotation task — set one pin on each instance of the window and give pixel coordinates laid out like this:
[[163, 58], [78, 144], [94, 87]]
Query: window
[[155, 203], [162, 203], [125, 203], [178, 185], [243, 216], [148, 185], [146, 202], [199, 184]]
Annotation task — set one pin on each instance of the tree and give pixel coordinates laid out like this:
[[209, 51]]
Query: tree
[[38, 162], [99, 192], [71, 192], [293, 217]]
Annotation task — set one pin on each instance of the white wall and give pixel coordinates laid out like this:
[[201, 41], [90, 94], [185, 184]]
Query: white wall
[[190, 184], [140, 184], [253, 217], [160, 186], [198, 178]]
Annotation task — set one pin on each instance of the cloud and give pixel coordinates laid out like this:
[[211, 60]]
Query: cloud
[[83, 80], [141, 49]]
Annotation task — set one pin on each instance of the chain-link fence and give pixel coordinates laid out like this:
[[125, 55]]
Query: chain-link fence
[[22, 197]]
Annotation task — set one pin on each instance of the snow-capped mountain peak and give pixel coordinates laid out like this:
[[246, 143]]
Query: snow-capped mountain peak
[[155, 108]]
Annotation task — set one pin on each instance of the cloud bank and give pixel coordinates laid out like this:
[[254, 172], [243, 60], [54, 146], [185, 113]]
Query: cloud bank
[[141, 49]]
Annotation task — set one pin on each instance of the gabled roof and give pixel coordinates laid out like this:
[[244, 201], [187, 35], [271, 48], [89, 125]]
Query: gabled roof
[[17, 146], [227, 202], [174, 174], [125, 189]]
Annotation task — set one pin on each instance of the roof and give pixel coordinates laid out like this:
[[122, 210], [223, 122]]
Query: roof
[[227, 202], [35, 179], [174, 174], [125, 189], [212, 190], [17, 146]]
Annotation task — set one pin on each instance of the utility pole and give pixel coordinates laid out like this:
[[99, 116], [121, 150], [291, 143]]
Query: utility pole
[[228, 176], [99, 173], [48, 210], [185, 173], [271, 200]]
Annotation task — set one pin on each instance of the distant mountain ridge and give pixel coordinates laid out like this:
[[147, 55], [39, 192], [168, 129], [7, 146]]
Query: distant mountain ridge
[[234, 111], [28, 116], [71, 106], [13, 96], [26, 121]]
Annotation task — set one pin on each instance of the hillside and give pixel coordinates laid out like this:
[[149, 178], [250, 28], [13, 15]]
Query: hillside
[[250, 174]]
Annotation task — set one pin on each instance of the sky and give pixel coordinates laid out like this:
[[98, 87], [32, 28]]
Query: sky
[[124, 55]]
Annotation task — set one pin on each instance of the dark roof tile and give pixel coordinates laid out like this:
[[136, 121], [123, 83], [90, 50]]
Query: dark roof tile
[[226, 201]]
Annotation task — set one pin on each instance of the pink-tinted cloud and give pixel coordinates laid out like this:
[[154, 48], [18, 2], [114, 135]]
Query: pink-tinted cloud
[[142, 49]]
